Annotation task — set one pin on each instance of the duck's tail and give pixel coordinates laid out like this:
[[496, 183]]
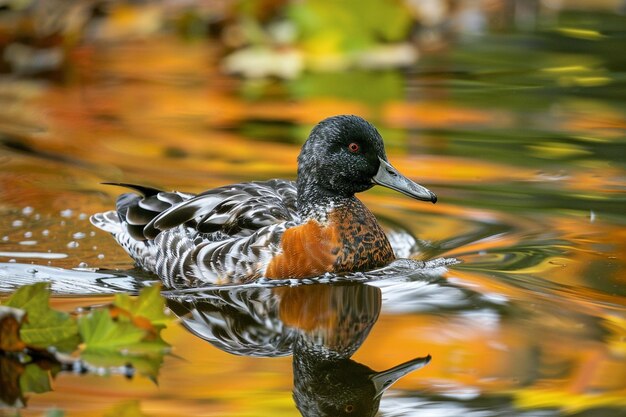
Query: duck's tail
[[108, 221], [128, 235]]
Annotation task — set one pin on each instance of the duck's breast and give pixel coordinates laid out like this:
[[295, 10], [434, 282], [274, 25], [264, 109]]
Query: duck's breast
[[349, 240]]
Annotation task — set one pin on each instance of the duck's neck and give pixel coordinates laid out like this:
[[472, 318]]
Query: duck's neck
[[315, 202]]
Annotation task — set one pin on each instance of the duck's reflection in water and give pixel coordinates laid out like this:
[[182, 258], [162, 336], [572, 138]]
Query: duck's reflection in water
[[320, 325]]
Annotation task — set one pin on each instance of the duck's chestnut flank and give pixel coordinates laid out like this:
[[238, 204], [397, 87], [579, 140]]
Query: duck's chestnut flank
[[275, 228]]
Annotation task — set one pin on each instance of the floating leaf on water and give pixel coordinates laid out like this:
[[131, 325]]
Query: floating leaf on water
[[149, 305], [44, 327], [101, 333], [111, 343]]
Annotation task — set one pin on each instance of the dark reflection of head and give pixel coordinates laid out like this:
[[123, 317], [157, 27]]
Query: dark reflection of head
[[321, 325]]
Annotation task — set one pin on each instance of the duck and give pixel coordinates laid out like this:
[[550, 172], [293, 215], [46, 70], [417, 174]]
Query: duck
[[273, 229]]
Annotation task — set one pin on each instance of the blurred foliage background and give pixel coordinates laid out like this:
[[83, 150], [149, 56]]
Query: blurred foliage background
[[279, 38]]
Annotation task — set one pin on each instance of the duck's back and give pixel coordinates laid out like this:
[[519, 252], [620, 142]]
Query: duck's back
[[218, 235]]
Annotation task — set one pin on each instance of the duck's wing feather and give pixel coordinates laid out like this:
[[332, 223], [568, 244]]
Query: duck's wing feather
[[184, 261], [234, 210]]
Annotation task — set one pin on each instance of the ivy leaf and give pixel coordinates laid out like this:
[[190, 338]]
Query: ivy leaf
[[148, 305], [43, 326], [111, 343], [31, 298], [100, 332]]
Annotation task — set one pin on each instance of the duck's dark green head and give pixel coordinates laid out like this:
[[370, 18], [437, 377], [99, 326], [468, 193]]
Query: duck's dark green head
[[345, 155]]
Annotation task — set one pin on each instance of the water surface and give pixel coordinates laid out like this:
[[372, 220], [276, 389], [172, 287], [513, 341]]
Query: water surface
[[520, 135]]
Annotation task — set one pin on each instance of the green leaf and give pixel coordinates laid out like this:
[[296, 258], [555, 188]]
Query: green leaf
[[35, 379], [149, 305], [335, 27], [43, 327], [56, 329], [113, 342], [100, 332], [32, 298], [110, 343]]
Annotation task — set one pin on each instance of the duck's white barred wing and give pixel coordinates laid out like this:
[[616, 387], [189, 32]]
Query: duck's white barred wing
[[237, 210], [222, 234], [185, 259]]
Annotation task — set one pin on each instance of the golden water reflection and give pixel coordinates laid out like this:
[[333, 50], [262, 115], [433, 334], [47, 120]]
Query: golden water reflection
[[531, 200]]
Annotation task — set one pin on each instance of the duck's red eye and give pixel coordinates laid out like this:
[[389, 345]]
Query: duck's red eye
[[354, 147]]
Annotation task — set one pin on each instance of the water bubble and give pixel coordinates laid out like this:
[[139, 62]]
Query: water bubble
[[82, 216], [45, 232], [73, 244], [101, 256], [27, 211], [79, 235], [37, 216], [5, 238], [12, 261], [83, 265], [28, 234], [94, 248], [17, 223], [28, 242], [67, 213], [92, 233]]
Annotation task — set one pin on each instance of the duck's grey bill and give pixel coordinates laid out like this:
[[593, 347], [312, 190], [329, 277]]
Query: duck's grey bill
[[389, 177], [385, 379]]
